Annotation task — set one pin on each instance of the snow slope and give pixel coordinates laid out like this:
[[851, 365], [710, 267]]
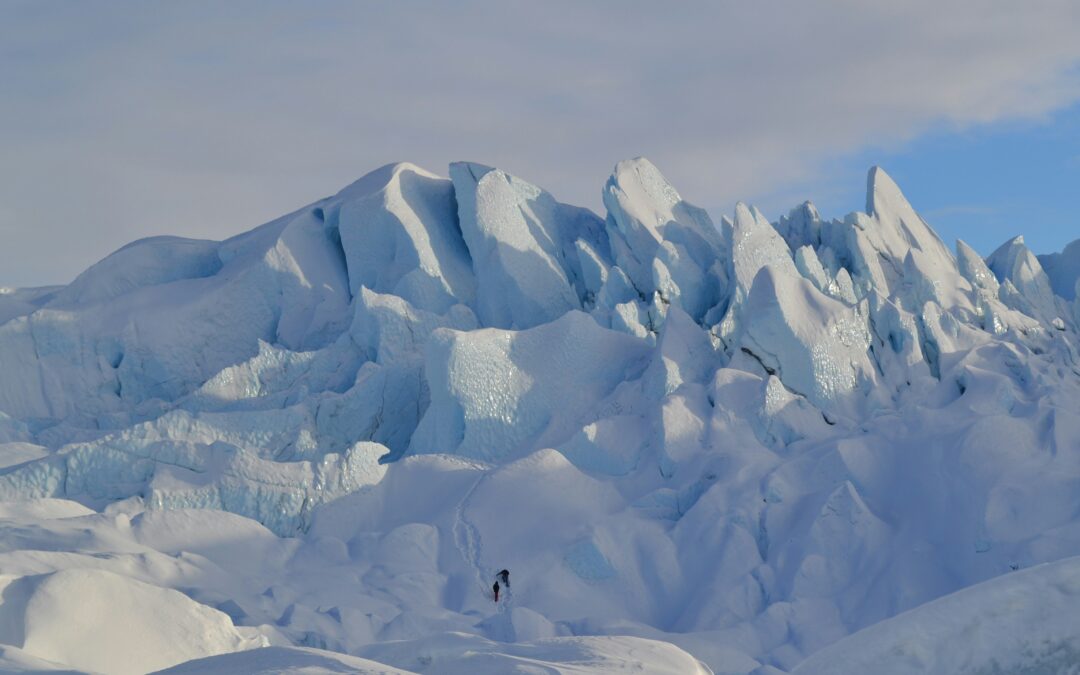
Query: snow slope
[[736, 446], [1022, 622]]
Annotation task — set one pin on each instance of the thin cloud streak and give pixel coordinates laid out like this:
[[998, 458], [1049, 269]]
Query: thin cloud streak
[[122, 120]]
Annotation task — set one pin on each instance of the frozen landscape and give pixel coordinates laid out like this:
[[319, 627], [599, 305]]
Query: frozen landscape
[[737, 446]]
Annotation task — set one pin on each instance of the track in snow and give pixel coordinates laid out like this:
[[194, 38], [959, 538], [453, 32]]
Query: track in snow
[[471, 546]]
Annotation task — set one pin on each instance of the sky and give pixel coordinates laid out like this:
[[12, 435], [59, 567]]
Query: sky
[[120, 120]]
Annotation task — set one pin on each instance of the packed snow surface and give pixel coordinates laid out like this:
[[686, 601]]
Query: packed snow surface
[[731, 446]]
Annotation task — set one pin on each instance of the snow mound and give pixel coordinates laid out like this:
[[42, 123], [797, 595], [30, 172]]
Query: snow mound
[[1023, 622], [59, 617], [43, 509], [283, 661], [147, 262], [15, 660], [455, 654]]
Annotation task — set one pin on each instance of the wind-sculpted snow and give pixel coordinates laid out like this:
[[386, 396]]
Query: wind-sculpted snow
[[738, 440]]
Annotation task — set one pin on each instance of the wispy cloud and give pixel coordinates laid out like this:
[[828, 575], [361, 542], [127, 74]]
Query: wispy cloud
[[121, 120]]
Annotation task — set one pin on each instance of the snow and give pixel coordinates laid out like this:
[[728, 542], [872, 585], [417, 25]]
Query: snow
[[485, 402], [816, 345], [974, 269], [147, 628], [283, 661], [755, 447], [656, 236], [1015, 263], [515, 233], [899, 227], [755, 244], [1020, 622], [399, 235], [1063, 269], [147, 262], [461, 655], [16, 302]]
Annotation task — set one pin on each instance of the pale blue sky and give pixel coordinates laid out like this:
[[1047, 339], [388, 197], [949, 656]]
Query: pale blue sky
[[984, 184], [127, 119]]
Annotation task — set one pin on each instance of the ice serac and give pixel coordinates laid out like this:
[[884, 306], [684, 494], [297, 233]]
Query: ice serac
[[816, 345], [897, 253], [1063, 269], [801, 226], [522, 246], [755, 244], [399, 232], [901, 228], [683, 354], [750, 443], [497, 394], [1014, 262], [974, 269], [654, 233], [391, 335]]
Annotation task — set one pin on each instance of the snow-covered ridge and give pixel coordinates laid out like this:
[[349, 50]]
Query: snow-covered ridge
[[748, 438]]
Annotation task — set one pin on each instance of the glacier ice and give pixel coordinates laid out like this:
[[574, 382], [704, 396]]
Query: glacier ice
[[519, 238], [486, 403], [652, 228], [399, 235], [816, 345], [1028, 286], [1063, 270], [757, 443]]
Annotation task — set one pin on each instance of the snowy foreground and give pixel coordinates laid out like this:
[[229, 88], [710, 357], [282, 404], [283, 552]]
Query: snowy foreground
[[739, 447]]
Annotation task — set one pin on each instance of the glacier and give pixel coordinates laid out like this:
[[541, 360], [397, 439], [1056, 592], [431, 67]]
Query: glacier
[[734, 446]]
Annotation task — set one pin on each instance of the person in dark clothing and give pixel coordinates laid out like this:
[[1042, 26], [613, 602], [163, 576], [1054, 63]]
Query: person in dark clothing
[[504, 577]]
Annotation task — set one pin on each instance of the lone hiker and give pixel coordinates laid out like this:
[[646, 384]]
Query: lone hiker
[[504, 577]]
